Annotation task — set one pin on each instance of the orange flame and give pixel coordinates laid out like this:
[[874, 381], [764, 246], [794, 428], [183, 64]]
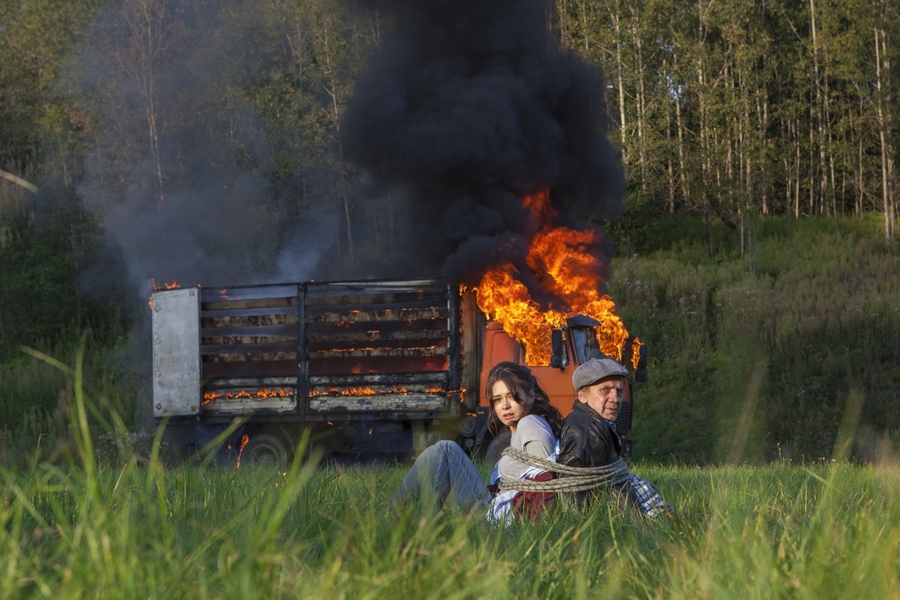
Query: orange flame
[[357, 391], [244, 439], [166, 286], [369, 391], [636, 352], [559, 259], [259, 394]]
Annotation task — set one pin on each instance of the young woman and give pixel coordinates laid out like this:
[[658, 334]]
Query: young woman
[[517, 403]]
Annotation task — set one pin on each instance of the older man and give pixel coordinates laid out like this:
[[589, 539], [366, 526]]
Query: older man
[[589, 437]]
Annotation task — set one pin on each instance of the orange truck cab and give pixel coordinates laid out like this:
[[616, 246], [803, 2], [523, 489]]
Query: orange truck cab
[[571, 346]]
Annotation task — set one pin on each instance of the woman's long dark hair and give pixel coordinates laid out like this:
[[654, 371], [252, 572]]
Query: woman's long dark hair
[[521, 383]]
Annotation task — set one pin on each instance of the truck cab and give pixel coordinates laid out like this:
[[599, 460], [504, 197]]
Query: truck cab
[[572, 346]]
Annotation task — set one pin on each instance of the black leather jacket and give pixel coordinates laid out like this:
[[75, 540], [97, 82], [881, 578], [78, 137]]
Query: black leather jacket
[[587, 440]]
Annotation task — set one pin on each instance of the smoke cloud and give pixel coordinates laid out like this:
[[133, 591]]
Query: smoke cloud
[[178, 174], [467, 106]]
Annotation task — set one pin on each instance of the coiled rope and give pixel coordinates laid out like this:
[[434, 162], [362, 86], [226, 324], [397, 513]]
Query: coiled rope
[[579, 479]]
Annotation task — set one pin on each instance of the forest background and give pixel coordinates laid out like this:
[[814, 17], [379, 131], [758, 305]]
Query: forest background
[[757, 255]]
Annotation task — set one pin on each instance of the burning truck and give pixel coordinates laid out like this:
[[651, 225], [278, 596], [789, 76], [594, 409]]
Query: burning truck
[[470, 116], [377, 368]]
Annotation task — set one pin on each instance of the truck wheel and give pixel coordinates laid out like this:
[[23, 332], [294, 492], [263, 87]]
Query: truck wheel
[[496, 447], [264, 450]]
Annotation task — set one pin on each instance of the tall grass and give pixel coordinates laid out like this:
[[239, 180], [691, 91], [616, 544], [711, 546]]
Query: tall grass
[[121, 529], [36, 397], [128, 531]]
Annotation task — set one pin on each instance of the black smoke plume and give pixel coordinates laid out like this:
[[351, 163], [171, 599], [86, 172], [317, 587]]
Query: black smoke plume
[[467, 105]]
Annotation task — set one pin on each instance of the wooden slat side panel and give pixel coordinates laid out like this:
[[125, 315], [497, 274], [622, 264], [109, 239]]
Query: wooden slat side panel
[[244, 406], [249, 382], [276, 368], [378, 353], [436, 378], [234, 305], [237, 329], [420, 297], [384, 402], [287, 311], [383, 364], [360, 316], [255, 348], [251, 292], [374, 335]]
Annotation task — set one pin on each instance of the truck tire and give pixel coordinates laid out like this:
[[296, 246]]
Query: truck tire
[[496, 447], [264, 450]]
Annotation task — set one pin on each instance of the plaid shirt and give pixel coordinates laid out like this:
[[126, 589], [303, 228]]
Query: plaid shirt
[[647, 498]]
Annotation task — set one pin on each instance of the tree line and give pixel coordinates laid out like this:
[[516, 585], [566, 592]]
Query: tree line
[[745, 107], [726, 110], [723, 107]]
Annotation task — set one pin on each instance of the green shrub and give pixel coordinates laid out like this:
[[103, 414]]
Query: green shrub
[[36, 398], [821, 315], [47, 250]]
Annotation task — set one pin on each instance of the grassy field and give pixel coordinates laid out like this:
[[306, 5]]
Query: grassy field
[[129, 531], [130, 527], [126, 526], [769, 380]]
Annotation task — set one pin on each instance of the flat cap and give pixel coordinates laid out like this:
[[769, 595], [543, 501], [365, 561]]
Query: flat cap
[[596, 369]]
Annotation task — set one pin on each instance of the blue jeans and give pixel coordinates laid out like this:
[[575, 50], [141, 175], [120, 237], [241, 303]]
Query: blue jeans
[[445, 471]]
